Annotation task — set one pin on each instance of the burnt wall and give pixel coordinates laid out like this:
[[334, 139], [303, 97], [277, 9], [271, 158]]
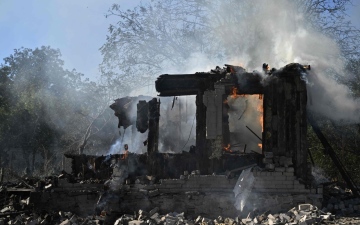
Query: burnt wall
[[168, 165], [285, 124]]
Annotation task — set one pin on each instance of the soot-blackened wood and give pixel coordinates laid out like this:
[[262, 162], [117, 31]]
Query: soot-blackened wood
[[154, 167], [154, 114], [201, 141]]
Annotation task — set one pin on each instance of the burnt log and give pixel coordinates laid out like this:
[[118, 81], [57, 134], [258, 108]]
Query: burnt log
[[186, 84]]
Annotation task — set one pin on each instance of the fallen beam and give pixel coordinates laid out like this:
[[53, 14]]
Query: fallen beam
[[330, 151]]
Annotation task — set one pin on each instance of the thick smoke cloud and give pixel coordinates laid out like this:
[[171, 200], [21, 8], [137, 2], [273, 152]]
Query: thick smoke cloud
[[278, 33], [249, 33]]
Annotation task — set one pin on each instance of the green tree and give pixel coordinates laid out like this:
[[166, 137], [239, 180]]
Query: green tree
[[48, 108]]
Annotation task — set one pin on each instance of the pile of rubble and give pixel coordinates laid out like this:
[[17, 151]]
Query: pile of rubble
[[49, 218], [340, 201], [304, 214]]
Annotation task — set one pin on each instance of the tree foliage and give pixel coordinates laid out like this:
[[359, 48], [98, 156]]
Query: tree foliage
[[46, 109]]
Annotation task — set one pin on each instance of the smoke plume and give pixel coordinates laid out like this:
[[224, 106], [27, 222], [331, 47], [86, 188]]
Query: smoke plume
[[277, 32]]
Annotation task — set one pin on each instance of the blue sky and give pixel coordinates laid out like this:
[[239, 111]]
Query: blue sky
[[77, 27]]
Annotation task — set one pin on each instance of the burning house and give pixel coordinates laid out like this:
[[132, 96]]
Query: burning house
[[250, 150], [243, 119]]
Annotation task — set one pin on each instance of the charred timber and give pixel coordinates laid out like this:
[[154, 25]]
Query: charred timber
[[186, 84], [192, 84]]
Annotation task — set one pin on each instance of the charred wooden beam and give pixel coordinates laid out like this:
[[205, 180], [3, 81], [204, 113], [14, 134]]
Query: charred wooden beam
[[191, 84], [153, 135], [253, 133], [201, 141], [186, 84]]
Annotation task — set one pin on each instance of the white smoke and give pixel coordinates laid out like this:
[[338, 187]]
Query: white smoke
[[247, 34], [116, 148], [278, 33]]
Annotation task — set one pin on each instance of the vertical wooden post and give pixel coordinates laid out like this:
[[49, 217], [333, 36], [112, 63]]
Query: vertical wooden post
[[201, 142], [153, 138]]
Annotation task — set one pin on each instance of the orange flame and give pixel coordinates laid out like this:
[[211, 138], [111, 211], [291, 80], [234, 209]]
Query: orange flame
[[227, 148], [125, 155], [260, 109], [234, 92]]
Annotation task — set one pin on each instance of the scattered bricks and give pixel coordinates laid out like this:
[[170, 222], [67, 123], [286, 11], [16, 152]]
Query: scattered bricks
[[325, 217], [306, 207], [207, 221], [270, 216], [229, 221], [170, 220], [153, 211], [186, 173], [143, 215], [246, 221], [198, 220], [65, 222], [285, 218], [182, 177], [220, 219], [137, 222], [156, 218]]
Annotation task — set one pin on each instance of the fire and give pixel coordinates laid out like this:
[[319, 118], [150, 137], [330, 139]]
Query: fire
[[227, 148], [234, 92], [260, 110], [125, 155]]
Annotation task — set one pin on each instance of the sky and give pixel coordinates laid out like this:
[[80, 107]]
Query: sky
[[78, 28]]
